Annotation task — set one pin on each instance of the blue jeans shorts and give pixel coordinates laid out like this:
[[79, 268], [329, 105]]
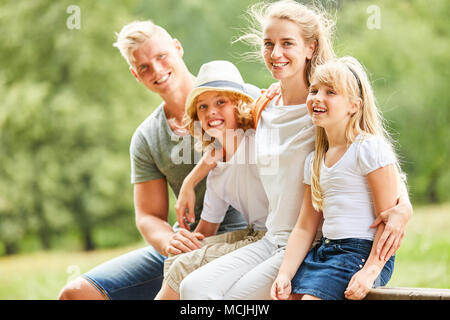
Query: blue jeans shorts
[[136, 275], [329, 266]]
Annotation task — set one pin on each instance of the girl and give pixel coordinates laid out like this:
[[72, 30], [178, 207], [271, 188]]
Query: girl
[[294, 40], [218, 116], [353, 166]]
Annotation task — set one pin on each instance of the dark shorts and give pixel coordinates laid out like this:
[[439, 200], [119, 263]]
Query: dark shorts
[[330, 265]]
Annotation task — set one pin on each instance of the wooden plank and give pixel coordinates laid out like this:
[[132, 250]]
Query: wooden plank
[[400, 293]]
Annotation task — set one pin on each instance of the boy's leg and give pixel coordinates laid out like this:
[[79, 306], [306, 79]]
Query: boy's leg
[[167, 293]]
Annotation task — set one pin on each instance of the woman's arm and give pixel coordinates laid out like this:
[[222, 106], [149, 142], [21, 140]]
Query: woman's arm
[[299, 243], [396, 219], [384, 185], [184, 207]]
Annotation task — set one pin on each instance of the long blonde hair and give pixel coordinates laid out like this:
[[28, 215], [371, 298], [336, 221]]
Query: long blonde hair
[[315, 25], [347, 76]]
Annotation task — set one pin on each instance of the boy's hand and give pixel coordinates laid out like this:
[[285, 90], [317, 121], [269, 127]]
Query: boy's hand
[[184, 208], [273, 90]]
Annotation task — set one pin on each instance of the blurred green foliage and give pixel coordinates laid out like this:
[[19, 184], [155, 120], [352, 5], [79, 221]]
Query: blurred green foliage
[[69, 105]]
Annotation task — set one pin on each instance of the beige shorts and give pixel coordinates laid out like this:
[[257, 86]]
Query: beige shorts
[[177, 267]]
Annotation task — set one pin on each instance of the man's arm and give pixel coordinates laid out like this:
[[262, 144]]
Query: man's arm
[[151, 202]]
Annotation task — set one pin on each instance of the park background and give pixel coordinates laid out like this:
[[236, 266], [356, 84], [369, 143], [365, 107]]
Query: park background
[[69, 107]]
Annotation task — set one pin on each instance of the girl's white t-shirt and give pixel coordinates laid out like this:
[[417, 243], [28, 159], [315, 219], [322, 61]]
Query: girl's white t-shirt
[[285, 135], [237, 183], [347, 201]]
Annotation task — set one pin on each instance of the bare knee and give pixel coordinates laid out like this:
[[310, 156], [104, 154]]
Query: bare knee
[[80, 289], [167, 293], [310, 297]]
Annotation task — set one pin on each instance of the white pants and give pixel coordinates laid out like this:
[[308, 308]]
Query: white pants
[[245, 274]]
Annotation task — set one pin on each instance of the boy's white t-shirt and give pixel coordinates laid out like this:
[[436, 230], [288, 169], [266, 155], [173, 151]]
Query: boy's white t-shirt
[[237, 183], [347, 201], [285, 135]]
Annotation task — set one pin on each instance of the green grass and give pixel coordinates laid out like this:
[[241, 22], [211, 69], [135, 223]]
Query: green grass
[[422, 261]]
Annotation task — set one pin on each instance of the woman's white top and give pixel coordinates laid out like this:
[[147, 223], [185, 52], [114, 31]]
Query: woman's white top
[[237, 183], [285, 135], [347, 204]]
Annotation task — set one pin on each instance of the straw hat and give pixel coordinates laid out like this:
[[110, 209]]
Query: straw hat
[[220, 75]]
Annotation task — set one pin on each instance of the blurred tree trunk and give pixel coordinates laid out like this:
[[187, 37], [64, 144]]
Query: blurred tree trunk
[[11, 248], [88, 240], [432, 192]]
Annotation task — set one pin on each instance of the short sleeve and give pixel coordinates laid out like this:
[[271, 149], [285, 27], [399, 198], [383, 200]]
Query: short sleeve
[[143, 167], [308, 167], [374, 153], [214, 207]]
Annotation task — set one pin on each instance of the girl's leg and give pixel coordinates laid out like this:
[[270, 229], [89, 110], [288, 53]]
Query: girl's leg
[[296, 296], [309, 297], [167, 293]]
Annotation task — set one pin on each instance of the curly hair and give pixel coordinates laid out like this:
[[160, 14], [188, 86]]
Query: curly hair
[[243, 113]]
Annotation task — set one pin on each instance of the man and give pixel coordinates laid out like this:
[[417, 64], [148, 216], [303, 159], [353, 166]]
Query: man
[[156, 61]]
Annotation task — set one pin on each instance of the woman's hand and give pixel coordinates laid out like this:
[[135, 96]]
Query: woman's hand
[[396, 219], [184, 208], [361, 283], [281, 288]]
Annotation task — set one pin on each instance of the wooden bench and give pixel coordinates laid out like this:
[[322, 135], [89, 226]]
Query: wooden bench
[[387, 293]]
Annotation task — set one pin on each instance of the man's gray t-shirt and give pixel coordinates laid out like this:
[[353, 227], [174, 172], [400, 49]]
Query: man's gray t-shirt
[[157, 152]]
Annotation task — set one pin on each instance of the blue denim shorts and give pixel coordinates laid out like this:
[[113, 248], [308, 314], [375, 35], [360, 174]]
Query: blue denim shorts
[[329, 266], [136, 275]]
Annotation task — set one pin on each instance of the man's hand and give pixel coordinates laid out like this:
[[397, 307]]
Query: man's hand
[[184, 241]]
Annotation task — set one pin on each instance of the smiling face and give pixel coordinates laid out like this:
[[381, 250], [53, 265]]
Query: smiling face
[[284, 50], [328, 107], [217, 113], [159, 65]]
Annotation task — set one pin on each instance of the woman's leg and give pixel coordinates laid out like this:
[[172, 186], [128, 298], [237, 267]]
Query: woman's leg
[[213, 280], [256, 284]]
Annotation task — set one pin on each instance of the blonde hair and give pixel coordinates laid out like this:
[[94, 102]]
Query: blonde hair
[[314, 24], [347, 76], [133, 35], [243, 114]]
